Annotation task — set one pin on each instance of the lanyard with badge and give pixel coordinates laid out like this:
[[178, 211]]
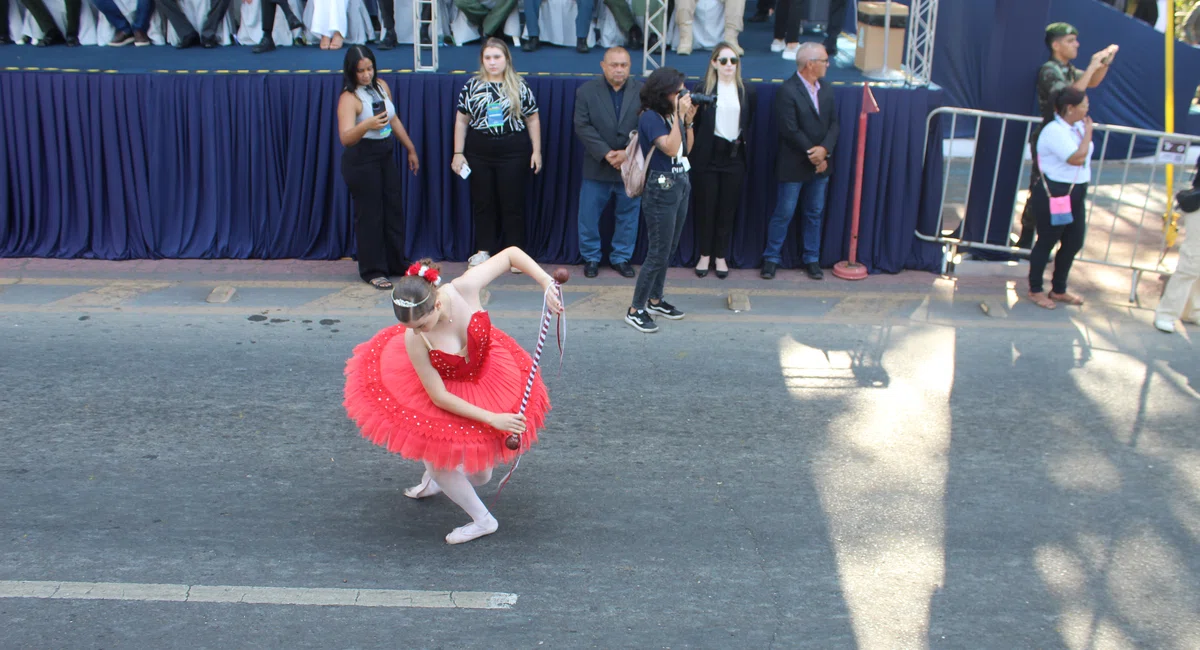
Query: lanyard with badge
[[495, 113]]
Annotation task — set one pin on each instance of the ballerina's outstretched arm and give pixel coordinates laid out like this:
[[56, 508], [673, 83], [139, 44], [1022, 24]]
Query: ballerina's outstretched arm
[[478, 277]]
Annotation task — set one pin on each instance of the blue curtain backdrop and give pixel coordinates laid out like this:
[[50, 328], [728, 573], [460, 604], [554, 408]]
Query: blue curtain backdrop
[[114, 166]]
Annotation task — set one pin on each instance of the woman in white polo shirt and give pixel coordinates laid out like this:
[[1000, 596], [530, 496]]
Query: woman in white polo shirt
[[1064, 150]]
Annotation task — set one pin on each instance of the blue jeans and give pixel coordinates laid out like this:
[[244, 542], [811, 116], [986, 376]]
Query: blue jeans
[[593, 197], [583, 17], [141, 18], [813, 213]]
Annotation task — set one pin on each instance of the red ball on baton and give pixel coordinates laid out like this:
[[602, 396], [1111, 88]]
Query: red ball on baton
[[513, 441], [561, 275]]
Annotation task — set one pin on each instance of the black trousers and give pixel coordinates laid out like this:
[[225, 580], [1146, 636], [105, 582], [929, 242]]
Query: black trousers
[[1069, 237], [183, 27], [45, 20], [387, 15], [499, 178], [268, 15], [717, 191], [370, 171], [790, 13]]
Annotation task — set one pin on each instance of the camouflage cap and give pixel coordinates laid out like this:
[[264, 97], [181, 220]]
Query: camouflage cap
[[1055, 31]]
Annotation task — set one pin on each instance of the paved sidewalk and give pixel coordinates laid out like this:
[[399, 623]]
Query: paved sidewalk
[[978, 293]]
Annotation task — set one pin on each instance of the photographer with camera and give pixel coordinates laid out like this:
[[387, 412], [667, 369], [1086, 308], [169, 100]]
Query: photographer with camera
[[367, 122], [723, 117], [808, 132], [664, 138]]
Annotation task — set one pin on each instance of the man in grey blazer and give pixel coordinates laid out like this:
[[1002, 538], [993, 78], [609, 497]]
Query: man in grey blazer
[[606, 111]]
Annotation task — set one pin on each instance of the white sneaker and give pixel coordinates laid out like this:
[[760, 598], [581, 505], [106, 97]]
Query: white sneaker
[[1165, 325], [478, 258], [777, 45], [789, 54]]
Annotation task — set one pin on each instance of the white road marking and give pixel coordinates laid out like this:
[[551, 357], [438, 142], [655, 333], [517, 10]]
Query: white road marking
[[256, 595]]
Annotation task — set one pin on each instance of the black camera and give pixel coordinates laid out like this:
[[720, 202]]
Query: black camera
[[700, 99]]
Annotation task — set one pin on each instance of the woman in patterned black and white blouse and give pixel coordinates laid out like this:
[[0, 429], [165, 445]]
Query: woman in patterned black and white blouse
[[497, 136]]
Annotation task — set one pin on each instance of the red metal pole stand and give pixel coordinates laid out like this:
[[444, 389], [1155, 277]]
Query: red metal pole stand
[[852, 270]]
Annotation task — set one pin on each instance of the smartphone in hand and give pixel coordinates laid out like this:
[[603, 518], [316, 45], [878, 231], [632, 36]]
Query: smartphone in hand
[[380, 108]]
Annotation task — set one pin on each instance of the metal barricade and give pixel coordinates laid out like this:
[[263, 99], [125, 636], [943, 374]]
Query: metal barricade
[[1128, 211], [425, 27]]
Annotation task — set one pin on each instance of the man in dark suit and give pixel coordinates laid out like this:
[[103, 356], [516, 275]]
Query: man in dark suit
[[606, 111], [808, 131]]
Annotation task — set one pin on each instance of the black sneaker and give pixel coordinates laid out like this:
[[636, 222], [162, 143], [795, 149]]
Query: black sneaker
[[665, 309], [640, 320]]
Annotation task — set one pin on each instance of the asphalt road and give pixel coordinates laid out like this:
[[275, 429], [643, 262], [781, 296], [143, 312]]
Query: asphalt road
[[726, 483]]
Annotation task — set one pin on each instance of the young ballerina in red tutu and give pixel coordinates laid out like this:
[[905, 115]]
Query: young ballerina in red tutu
[[444, 386]]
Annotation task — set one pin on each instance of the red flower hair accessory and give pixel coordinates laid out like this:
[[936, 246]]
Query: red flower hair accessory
[[429, 275]]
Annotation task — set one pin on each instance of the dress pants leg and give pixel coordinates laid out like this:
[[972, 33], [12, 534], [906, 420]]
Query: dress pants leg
[[783, 12], [485, 205], [512, 183], [837, 19], [364, 176], [395, 233], [387, 15], [729, 199], [216, 13], [174, 15], [706, 193], [41, 15]]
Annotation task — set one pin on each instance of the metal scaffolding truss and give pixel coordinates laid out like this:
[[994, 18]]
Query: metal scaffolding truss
[[656, 30], [425, 28], [922, 22]]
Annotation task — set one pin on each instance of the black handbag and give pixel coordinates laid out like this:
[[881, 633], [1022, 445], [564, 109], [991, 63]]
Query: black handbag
[[1189, 199]]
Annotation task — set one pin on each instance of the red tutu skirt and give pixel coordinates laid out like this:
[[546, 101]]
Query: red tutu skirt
[[387, 401]]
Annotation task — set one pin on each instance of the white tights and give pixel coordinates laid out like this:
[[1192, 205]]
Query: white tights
[[460, 487]]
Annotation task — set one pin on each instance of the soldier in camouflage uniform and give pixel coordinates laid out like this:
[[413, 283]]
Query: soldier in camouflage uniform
[[1053, 76]]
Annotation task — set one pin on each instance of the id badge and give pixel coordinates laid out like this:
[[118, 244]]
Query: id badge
[[495, 115], [687, 166], [1060, 210]]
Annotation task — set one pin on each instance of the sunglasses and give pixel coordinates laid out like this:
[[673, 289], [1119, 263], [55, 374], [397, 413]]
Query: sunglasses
[[726, 61]]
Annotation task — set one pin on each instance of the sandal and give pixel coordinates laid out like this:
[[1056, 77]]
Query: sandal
[[1041, 300], [381, 283], [1066, 297], [335, 42]]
